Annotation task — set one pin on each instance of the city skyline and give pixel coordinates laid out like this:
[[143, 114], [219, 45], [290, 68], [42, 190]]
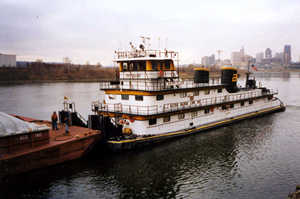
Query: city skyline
[[91, 31]]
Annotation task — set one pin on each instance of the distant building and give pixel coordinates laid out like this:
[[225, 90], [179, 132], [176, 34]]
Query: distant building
[[268, 53], [259, 57], [236, 58], [287, 58], [208, 60], [7, 60], [240, 59]]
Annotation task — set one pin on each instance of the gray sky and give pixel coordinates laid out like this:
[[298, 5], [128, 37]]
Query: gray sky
[[91, 30]]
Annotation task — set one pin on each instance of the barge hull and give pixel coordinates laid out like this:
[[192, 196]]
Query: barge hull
[[130, 144]]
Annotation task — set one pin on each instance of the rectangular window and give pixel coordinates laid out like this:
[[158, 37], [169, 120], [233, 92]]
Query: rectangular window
[[206, 92], [196, 93], [182, 95], [194, 114], [125, 97], [139, 97], [125, 66], [224, 107], [152, 121], [206, 111], [219, 90], [159, 97], [250, 101], [231, 105], [167, 119], [242, 103], [142, 66], [167, 65], [154, 65], [181, 116]]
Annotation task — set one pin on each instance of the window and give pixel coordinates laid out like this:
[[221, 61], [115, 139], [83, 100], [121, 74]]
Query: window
[[152, 121], [125, 97], [182, 95], [196, 93], [224, 107], [231, 105], [139, 97], [125, 66], [219, 90], [206, 92], [242, 103], [194, 114], [159, 97], [250, 101], [167, 119], [142, 66], [154, 65], [181, 116], [206, 111], [167, 65]]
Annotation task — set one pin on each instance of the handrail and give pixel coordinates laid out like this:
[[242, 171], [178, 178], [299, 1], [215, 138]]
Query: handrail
[[146, 53], [148, 85], [170, 107]]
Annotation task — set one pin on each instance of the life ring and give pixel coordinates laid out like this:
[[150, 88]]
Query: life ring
[[161, 73], [131, 120], [121, 122]]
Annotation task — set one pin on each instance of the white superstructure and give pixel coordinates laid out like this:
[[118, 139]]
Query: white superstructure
[[150, 98]]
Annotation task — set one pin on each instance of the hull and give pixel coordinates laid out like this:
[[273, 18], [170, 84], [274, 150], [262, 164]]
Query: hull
[[58, 149], [47, 156], [129, 144]]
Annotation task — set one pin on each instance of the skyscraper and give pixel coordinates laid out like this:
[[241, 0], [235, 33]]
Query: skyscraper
[[287, 55], [259, 57], [268, 53]]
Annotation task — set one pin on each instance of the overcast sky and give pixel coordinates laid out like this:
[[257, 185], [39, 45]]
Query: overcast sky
[[86, 30]]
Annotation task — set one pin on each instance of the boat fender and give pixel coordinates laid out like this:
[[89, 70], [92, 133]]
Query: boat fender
[[161, 73]]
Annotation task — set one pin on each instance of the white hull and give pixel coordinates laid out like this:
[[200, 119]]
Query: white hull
[[142, 128]]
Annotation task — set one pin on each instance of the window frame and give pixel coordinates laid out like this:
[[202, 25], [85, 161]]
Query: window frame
[[160, 97], [139, 97], [123, 97], [152, 121]]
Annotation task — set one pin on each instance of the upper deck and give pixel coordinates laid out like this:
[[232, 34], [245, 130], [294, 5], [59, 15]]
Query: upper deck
[[142, 54]]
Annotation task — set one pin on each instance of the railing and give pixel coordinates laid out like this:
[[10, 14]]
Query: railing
[[159, 85], [156, 109], [146, 53]]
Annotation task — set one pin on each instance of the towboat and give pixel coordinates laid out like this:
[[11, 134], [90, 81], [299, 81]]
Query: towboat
[[150, 103]]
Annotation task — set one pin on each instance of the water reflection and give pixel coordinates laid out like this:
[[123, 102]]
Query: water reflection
[[250, 159]]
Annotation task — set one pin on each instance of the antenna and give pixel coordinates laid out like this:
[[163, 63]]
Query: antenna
[[144, 40]]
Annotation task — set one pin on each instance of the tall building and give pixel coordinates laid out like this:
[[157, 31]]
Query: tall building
[[259, 57], [7, 60], [287, 58], [208, 60], [268, 53]]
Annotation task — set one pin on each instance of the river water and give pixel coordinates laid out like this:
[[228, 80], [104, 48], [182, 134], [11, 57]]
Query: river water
[[257, 158]]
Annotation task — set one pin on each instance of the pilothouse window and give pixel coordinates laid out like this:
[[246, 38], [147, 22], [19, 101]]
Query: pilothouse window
[[167, 65]]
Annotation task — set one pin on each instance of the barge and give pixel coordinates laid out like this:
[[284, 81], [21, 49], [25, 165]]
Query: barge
[[150, 103], [27, 144]]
